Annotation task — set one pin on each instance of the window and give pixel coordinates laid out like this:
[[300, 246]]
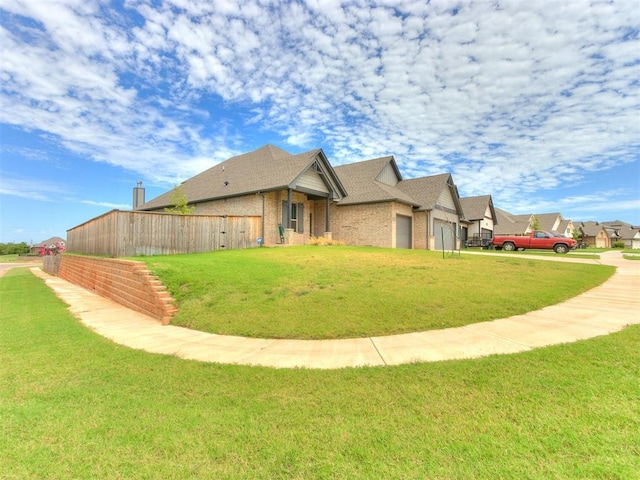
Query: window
[[296, 217]]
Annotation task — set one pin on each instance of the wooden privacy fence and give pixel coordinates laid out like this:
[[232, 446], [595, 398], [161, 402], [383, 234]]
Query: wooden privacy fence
[[126, 234]]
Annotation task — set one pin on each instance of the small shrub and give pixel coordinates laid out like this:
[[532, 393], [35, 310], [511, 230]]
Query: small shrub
[[323, 242], [618, 244]]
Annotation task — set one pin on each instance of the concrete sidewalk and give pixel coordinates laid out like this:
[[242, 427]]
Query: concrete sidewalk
[[602, 310]]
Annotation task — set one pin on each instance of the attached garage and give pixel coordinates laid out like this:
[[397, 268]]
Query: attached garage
[[403, 231], [445, 235]]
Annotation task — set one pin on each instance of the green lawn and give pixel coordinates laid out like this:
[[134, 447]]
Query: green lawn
[[15, 258], [590, 253], [75, 405], [340, 292]]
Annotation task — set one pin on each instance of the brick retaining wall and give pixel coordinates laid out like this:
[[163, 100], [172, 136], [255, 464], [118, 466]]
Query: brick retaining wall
[[127, 282]]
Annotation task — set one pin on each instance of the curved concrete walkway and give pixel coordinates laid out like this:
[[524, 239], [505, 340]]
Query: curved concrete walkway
[[602, 310]]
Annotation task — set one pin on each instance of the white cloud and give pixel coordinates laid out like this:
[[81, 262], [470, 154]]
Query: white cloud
[[31, 189], [118, 206], [510, 97]]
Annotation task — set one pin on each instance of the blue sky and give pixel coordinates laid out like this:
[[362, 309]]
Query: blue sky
[[534, 102]]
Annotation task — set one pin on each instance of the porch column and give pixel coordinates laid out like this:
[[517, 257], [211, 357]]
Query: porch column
[[327, 220]]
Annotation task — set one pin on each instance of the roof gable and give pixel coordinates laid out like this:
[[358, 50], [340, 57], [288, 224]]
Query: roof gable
[[549, 221], [478, 208], [389, 175], [511, 224], [591, 229], [427, 191], [372, 181]]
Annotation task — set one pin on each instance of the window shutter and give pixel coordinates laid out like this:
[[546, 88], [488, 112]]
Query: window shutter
[[301, 218]]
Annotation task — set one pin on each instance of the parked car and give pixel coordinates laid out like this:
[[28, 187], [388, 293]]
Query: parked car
[[536, 239]]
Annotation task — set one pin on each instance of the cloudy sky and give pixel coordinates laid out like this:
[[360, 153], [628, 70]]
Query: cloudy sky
[[534, 102]]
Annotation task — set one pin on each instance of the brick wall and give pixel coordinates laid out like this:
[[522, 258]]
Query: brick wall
[[366, 224], [124, 281]]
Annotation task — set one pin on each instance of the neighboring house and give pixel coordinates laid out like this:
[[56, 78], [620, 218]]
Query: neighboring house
[[364, 203], [594, 234], [623, 232], [480, 219], [48, 246], [555, 223], [510, 224]]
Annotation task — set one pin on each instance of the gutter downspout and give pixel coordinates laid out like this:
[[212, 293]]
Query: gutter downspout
[[262, 229], [426, 212]]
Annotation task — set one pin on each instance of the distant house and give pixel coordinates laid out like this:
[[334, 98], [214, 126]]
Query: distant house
[[480, 219], [594, 234], [49, 246], [510, 224], [620, 231], [303, 196], [555, 223]]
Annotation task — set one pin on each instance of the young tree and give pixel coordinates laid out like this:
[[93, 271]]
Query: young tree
[[535, 223], [179, 200]]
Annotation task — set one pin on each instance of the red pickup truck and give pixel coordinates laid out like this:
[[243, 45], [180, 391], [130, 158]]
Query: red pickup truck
[[537, 239]]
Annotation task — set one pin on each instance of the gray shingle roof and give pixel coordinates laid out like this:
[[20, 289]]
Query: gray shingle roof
[[590, 229], [474, 208], [267, 168], [359, 180], [509, 224], [270, 168], [426, 190], [547, 220], [622, 230]]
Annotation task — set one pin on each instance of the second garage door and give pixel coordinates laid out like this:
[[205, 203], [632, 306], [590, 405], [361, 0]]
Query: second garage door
[[445, 234], [403, 231]]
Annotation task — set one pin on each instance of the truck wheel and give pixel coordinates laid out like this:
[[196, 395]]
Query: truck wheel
[[560, 248], [508, 247]]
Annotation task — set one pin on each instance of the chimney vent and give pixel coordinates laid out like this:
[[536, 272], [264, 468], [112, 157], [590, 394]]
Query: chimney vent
[[138, 196]]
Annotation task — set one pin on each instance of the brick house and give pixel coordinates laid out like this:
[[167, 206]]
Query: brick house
[[292, 191], [594, 234], [363, 203], [480, 219], [620, 231], [510, 224]]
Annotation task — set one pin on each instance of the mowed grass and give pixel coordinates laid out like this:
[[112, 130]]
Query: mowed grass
[[340, 292], [75, 405], [590, 254]]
